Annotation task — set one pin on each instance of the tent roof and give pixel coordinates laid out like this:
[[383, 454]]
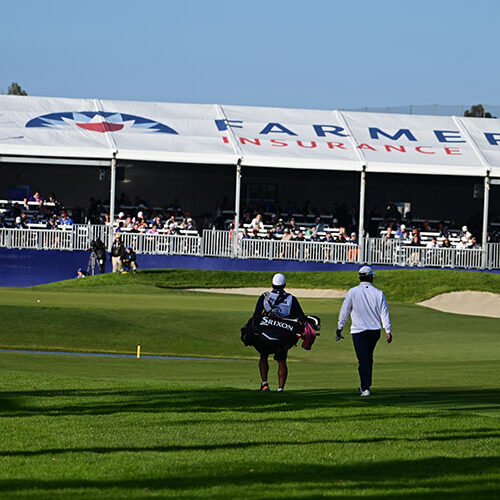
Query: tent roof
[[94, 129]]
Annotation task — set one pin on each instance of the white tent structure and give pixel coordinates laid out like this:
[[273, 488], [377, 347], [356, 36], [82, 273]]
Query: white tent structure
[[100, 132]]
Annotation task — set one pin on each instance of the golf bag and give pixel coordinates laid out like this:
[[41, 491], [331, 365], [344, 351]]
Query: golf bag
[[279, 333]]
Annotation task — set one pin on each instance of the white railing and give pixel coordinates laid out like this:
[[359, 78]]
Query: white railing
[[395, 253], [162, 244], [308, 251], [220, 244], [41, 239], [217, 243], [494, 255]]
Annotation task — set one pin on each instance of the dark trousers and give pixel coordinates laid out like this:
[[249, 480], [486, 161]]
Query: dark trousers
[[364, 345]]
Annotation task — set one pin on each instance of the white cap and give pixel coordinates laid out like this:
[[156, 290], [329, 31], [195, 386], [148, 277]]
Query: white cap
[[18, 220], [464, 229], [366, 271], [402, 226], [140, 214], [279, 280], [189, 219], [121, 214]]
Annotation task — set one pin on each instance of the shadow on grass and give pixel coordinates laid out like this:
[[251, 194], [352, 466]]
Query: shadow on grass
[[439, 477], [472, 434], [111, 401]]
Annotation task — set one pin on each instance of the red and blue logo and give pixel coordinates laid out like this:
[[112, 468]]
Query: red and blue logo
[[100, 121]]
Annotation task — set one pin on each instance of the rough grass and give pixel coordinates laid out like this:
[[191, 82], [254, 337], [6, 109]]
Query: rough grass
[[403, 285]]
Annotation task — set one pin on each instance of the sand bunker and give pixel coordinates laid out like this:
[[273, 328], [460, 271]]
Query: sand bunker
[[303, 293], [471, 303]]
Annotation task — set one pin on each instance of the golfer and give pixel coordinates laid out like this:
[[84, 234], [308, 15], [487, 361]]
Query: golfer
[[369, 312], [284, 305]]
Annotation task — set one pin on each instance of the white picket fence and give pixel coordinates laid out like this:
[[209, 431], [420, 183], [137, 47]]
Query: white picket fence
[[221, 244]]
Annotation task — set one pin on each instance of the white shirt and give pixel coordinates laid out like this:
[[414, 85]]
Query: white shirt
[[256, 223], [283, 309], [367, 307]]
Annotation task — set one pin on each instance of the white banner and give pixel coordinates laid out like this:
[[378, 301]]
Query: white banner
[[267, 137]]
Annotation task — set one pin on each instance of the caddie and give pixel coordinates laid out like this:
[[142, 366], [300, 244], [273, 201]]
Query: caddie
[[369, 312], [277, 304]]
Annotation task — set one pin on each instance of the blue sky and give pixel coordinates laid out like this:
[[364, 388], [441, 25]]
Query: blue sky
[[309, 54]]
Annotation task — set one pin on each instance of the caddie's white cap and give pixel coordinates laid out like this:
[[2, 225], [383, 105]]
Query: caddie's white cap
[[366, 271], [279, 280]]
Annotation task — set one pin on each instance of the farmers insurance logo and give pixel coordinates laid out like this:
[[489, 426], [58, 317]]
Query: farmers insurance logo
[[100, 121]]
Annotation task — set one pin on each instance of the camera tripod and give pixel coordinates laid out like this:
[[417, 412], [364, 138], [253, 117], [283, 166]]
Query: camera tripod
[[91, 264]]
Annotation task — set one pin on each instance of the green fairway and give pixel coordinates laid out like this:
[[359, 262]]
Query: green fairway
[[93, 427]]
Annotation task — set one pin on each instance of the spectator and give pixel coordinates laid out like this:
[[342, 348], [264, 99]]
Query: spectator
[[465, 235], [287, 235], [445, 233], [329, 238], [129, 260], [65, 220], [117, 250], [153, 230], [300, 236], [389, 234], [279, 229], [156, 220], [139, 218], [293, 226], [53, 223], [320, 227], [172, 230], [257, 223], [244, 234], [188, 224], [342, 238], [401, 233], [473, 243], [415, 242], [57, 204], [433, 243], [80, 273], [36, 196], [354, 238], [169, 222], [19, 223], [446, 243], [128, 224], [315, 236]]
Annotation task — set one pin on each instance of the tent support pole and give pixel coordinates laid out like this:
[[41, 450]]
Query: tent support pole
[[486, 203], [361, 217], [112, 192], [237, 197]]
